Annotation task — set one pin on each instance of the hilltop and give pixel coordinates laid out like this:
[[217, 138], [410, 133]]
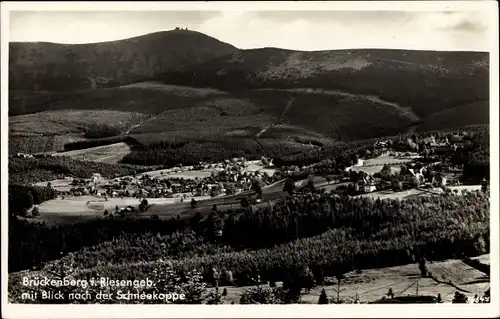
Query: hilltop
[[42, 66]]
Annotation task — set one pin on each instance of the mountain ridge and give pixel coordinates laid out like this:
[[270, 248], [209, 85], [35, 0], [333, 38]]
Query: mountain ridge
[[344, 94], [413, 78], [49, 66]]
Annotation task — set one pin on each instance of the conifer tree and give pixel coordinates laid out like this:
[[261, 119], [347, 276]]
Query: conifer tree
[[323, 298]]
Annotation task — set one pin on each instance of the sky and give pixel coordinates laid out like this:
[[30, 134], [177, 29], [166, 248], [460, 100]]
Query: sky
[[297, 30]]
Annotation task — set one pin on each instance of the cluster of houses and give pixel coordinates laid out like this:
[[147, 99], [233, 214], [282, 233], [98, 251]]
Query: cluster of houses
[[428, 146], [436, 172], [226, 178], [39, 155], [232, 176], [22, 155], [411, 175]]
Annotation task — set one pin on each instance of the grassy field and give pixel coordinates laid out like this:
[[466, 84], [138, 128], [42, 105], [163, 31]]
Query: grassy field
[[172, 89], [181, 174], [110, 154], [31, 144], [60, 185], [97, 204], [391, 159], [49, 131], [485, 259], [34, 144], [373, 284], [68, 121], [389, 194], [375, 165], [374, 169], [73, 209], [460, 274]]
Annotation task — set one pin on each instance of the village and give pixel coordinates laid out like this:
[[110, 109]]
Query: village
[[395, 169], [203, 181], [410, 164]]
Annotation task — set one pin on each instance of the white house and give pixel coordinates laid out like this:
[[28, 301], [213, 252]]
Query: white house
[[368, 188], [96, 177], [368, 184], [418, 174], [439, 180]]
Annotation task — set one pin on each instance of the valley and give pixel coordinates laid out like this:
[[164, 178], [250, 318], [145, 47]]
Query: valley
[[252, 176]]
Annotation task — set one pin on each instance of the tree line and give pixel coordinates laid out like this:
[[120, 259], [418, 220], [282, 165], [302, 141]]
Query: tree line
[[476, 157], [32, 244], [189, 153], [22, 197], [33, 170], [101, 130]]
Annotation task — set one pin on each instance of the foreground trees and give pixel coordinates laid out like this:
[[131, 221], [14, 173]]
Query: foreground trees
[[22, 198], [164, 280], [25, 171]]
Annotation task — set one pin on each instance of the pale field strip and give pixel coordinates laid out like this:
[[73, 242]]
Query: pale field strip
[[484, 259], [110, 154]]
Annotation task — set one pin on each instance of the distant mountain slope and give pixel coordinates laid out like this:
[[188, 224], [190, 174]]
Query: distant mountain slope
[[187, 110], [142, 97], [426, 81], [463, 115], [191, 88], [41, 66]]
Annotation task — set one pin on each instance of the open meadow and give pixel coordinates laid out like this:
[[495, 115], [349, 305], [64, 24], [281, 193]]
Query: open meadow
[[110, 154], [485, 259], [78, 208], [374, 165], [390, 194], [373, 284]]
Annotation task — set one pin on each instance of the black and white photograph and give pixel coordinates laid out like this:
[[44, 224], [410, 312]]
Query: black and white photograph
[[231, 154]]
